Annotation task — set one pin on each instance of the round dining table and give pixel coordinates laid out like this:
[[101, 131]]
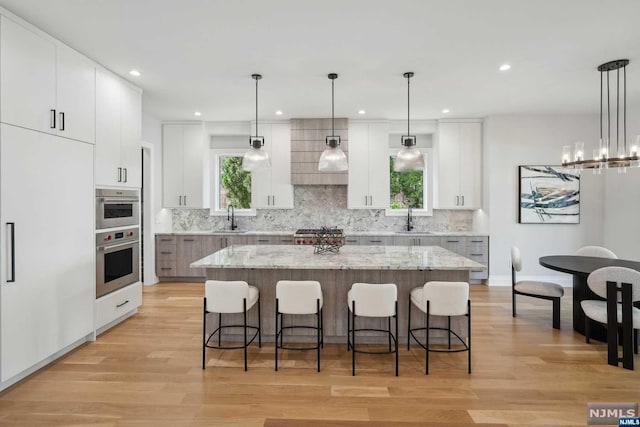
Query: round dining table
[[580, 267]]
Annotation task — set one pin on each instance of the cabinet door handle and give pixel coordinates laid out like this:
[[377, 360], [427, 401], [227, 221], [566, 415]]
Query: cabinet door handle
[[119, 174], [125, 174], [462, 200], [185, 200], [457, 200], [370, 200], [61, 120], [123, 303], [180, 200], [52, 125], [273, 199], [12, 236]]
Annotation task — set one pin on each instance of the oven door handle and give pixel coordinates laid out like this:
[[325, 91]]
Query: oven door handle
[[118, 199], [109, 247]]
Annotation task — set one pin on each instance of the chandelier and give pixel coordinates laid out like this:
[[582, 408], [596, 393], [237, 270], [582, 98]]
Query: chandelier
[[609, 154]]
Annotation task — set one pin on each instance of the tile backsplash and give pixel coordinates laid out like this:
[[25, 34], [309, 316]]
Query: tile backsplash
[[317, 205]]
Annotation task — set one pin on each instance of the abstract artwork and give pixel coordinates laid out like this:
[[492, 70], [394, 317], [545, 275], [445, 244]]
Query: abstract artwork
[[548, 195]]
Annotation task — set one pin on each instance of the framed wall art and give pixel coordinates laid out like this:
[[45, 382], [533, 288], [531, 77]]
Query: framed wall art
[[548, 195]]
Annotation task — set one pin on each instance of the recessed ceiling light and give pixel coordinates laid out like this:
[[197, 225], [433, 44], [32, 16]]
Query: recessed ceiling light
[[278, 113], [445, 111], [505, 67], [362, 112], [135, 73], [197, 113]]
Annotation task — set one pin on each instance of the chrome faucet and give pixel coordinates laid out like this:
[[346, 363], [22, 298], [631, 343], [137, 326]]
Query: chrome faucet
[[231, 217], [409, 219]]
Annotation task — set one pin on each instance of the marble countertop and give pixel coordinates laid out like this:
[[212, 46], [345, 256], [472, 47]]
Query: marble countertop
[[347, 233], [350, 258]]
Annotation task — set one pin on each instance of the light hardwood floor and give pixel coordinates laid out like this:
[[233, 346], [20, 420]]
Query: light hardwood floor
[[147, 371]]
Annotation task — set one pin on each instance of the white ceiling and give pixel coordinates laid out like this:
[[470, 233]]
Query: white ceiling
[[200, 54]]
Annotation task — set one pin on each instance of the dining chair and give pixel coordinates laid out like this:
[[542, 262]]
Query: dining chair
[[596, 251], [620, 288], [534, 288]]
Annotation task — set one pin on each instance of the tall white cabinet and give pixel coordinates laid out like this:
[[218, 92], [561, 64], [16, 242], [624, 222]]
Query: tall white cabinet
[[459, 177], [271, 188], [45, 86], [118, 132], [368, 165], [47, 268], [183, 166]]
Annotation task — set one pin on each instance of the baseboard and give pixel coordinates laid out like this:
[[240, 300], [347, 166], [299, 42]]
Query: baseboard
[[24, 374]]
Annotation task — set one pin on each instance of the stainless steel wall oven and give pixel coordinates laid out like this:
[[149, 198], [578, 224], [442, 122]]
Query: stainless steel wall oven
[[117, 259]]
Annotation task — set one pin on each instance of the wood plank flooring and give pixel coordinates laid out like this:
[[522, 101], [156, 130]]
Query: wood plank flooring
[[146, 372]]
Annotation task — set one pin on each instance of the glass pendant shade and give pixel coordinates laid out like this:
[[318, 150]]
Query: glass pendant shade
[[256, 159], [409, 159], [333, 160]]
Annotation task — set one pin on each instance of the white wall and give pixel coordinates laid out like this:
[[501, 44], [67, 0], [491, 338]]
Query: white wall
[[510, 141]]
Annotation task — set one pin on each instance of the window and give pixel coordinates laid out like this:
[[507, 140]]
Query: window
[[231, 185], [411, 188]]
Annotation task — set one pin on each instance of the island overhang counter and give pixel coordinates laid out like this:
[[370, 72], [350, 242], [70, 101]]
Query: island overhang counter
[[406, 266]]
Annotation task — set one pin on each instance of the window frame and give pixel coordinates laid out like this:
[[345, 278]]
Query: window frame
[[427, 186], [214, 208]]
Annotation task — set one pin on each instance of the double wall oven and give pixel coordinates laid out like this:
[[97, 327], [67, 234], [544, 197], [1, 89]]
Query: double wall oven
[[117, 239]]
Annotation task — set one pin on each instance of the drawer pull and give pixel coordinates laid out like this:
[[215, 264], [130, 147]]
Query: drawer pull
[[166, 268], [189, 240], [375, 241], [453, 241], [477, 241], [166, 240], [477, 254], [166, 253], [263, 240], [123, 303]]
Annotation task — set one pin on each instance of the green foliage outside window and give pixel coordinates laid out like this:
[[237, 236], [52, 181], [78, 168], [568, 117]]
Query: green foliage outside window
[[236, 183], [406, 188]]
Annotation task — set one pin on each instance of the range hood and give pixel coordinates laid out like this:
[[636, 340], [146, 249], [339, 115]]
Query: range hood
[[308, 143]]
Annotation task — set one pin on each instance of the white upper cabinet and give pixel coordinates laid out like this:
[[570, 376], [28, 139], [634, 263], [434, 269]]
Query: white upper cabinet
[[368, 165], [45, 86], [459, 165], [271, 188], [183, 152], [118, 132]]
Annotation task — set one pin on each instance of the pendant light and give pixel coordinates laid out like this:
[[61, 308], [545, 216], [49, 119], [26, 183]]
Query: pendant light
[[333, 158], [409, 157], [256, 158], [607, 156]]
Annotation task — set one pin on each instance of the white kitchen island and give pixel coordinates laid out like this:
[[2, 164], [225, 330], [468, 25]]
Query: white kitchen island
[[406, 266]]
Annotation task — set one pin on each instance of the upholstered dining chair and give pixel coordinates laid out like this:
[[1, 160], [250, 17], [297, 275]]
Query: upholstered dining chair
[[596, 251], [620, 287], [532, 288]]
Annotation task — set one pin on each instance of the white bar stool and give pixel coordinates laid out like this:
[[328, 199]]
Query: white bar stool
[[441, 299], [372, 300], [229, 297], [296, 297]]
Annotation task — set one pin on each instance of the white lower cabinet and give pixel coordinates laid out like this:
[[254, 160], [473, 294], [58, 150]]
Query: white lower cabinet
[[47, 267], [117, 304]]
